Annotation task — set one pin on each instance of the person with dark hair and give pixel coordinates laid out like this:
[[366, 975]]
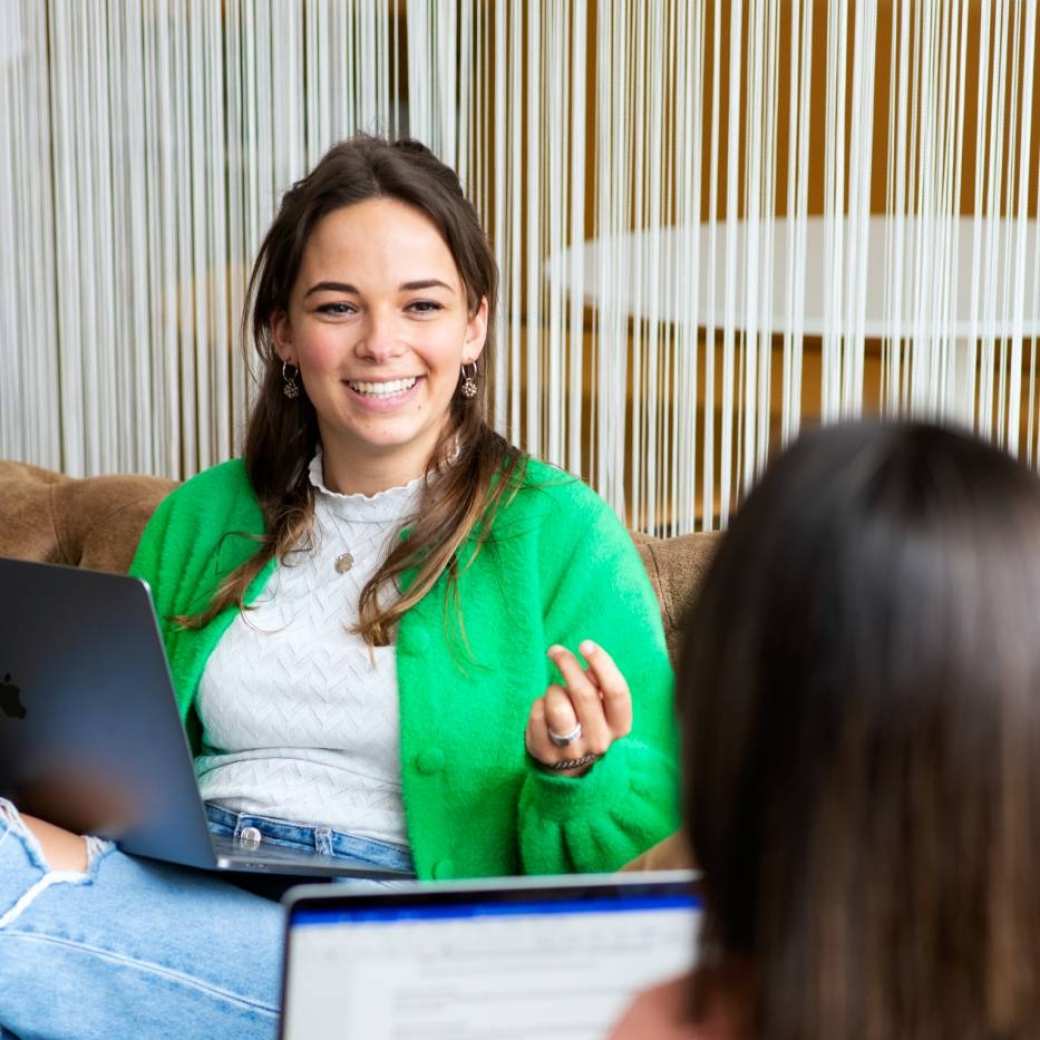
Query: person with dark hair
[[860, 687], [376, 623]]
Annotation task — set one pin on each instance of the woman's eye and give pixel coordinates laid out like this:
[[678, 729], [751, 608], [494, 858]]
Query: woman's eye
[[424, 306], [336, 309]]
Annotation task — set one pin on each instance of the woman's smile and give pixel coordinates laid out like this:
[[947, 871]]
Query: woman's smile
[[384, 395]]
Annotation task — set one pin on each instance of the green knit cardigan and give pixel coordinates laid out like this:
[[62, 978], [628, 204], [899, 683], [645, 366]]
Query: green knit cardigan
[[557, 567]]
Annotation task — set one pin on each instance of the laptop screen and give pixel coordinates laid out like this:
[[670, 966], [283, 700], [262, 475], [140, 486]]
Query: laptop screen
[[539, 958]]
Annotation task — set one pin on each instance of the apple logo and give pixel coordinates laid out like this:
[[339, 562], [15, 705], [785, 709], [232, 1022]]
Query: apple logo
[[10, 703]]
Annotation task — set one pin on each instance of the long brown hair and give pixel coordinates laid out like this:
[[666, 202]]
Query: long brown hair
[[475, 467], [860, 684]]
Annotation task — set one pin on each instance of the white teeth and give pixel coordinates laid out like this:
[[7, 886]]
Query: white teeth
[[386, 389]]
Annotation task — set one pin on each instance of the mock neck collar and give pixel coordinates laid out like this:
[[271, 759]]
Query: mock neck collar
[[395, 503]]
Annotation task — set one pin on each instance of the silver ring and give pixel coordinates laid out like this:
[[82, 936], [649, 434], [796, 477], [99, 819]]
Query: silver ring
[[563, 739]]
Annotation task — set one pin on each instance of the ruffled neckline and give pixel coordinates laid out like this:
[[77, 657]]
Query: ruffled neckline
[[395, 503]]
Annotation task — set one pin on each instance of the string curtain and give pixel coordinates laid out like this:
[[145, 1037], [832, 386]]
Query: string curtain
[[714, 221]]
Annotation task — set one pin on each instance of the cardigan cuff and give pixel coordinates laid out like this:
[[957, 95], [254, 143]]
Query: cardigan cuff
[[560, 798]]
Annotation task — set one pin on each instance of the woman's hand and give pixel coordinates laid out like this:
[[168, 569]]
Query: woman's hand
[[583, 717]]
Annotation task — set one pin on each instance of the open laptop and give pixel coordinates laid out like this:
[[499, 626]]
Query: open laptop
[[517, 958], [90, 738]]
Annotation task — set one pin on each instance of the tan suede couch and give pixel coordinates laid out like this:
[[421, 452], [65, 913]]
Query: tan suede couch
[[96, 523]]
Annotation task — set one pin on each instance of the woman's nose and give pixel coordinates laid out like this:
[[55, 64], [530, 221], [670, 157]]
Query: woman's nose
[[379, 340]]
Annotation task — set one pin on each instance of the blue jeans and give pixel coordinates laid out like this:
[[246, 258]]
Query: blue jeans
[[322, 840], [134, 947]]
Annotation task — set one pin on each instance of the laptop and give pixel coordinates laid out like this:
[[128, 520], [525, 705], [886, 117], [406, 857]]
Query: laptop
[[90, 738], [523, 958]]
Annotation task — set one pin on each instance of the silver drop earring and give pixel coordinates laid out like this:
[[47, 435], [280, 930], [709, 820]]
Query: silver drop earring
[[290, 387], [469, 381]]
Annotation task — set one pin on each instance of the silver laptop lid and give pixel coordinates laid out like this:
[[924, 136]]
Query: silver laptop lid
[[89, 733], [515, 957]]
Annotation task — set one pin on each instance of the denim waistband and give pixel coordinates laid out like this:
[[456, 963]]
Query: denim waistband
[[321, 840]]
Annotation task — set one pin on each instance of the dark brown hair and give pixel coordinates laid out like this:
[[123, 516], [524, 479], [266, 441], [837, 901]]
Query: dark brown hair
[[860, 684], [283, 433]]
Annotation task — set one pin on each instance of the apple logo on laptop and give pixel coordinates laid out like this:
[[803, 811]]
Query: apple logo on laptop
[[10, 702]]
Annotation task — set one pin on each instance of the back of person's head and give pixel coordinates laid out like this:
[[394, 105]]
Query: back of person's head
[[861, 691]]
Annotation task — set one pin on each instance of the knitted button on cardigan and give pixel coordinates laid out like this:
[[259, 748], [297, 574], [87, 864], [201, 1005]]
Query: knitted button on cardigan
[[558, 567]]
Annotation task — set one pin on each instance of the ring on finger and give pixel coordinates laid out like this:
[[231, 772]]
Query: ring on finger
[[563, 739]]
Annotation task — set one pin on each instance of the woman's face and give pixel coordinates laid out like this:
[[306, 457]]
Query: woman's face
[[379, 327]]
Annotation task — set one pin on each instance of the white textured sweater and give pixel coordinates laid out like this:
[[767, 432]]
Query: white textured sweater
[[300, 716]]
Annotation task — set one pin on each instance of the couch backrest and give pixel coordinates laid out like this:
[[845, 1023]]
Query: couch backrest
[[96, 523]]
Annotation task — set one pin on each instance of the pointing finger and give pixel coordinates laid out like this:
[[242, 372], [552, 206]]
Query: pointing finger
[[617, 698], [579, 684]]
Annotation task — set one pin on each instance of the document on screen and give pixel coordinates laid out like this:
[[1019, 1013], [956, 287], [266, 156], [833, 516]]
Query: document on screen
[[492, 973]]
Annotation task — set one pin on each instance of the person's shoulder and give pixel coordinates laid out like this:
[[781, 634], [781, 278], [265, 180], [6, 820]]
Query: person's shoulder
[[195, 516], [559, 512], [226, 480], [548, 490], [221, 491], [228, 476]]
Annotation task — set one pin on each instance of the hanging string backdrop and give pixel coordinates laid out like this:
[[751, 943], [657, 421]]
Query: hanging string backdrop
[[714, 221]]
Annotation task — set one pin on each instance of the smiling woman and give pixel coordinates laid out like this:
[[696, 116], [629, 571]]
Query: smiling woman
[[373, 621], [375, 270]]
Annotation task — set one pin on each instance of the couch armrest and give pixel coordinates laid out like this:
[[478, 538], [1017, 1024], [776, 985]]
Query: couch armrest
[[676, 567], [95, 523], [27, 530], [99, 520]]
